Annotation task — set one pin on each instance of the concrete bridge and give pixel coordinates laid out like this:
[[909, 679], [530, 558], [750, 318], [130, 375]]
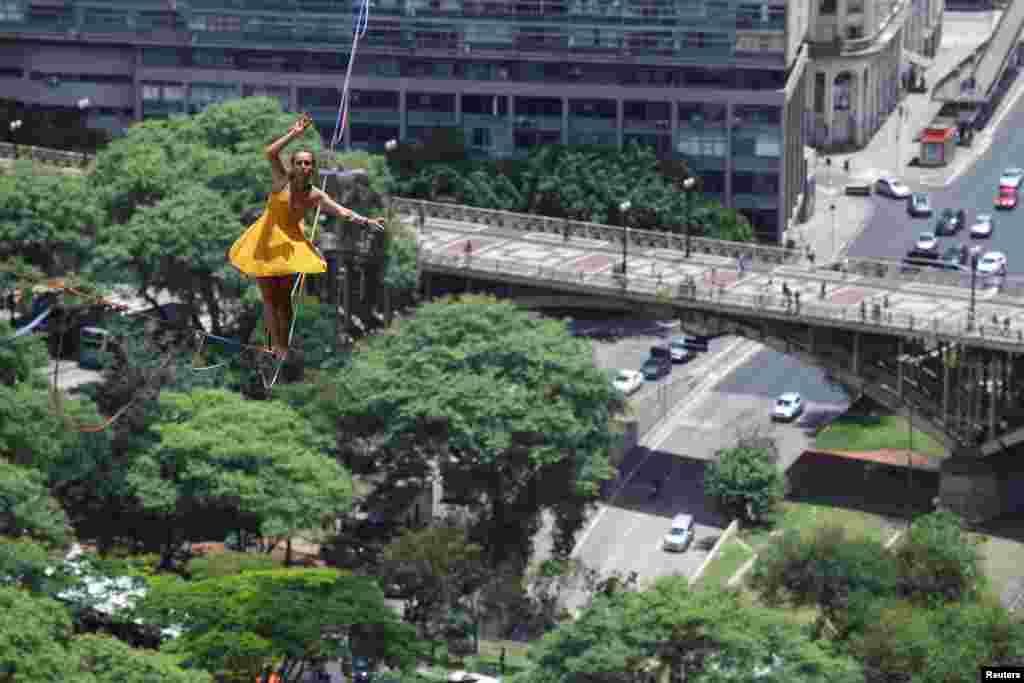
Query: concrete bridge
[[919, 343], [974, 80]]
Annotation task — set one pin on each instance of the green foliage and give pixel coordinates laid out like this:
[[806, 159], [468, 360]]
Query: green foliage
[[45, 218], [26, 508], [216, 565], [245, 622], [513, 399], [826, 568], [700, 636], [21, 359], [401, 269], [580, 183], [102, 658], [745, 482], [316, 333], [259, 459], [939, 561], [28, 565]]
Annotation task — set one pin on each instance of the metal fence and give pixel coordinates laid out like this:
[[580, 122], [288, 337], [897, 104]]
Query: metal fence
[[650, 290], [44, 155]]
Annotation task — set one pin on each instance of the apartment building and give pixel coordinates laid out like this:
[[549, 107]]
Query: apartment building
[[860, 52], [719, 83]]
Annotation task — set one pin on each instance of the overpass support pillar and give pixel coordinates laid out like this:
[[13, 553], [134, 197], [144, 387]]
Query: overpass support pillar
[[971, 487]]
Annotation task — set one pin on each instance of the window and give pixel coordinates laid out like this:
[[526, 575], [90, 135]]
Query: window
[[485, 105], [223, 23], [151, 92], [212, 59], [10, 10], [827, 7], [482, 138], [819, 93], [699, 114], [174, 93], [702, 146]]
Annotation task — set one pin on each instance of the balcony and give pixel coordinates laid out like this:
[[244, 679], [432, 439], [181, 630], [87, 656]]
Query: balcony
[[430, 118], [580, 124], [371, 116], [647, 126], [528, 122], [162, 107], [483, 120]]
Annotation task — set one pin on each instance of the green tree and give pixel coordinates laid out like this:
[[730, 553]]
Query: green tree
[[745, 482], [21, 359], [240, 626], [939, 561], [218, 453], [37, 646], [828, 568], [907, 643], [697, 636], [27, 509], [436, 568], [508, 405], [46, 218]]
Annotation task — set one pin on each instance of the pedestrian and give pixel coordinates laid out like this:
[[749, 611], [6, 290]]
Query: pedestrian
[[275, 249], [785, 290], [468, 248], [796, 295], [823, 290], [863, 310], [810, 255]]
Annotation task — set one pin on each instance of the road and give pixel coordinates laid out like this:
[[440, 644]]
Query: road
[[738, 383], [890, 232]]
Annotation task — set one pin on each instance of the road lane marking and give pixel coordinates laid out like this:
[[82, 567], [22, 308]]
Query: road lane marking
[[699, 391]]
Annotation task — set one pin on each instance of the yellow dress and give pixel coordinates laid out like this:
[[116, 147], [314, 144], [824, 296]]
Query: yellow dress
[[276, 244]]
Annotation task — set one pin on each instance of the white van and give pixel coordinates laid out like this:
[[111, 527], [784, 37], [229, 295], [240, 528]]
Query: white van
[[680, 536]]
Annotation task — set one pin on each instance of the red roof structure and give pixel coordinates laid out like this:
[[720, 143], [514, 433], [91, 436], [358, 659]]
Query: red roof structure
[[939, 135]]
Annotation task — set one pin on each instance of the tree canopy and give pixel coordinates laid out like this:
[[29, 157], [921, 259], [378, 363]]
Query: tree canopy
[[507, 404], [745, 482]]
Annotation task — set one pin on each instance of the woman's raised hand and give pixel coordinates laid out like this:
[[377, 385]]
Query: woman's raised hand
[[302, 124]]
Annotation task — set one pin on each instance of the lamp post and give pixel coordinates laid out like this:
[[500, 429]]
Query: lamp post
[[832, 208], [687, 188], [624, 208], [974, 279], [15, 125]]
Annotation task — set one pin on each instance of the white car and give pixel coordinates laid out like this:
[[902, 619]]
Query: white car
[[680, 536], [788, 407], [467, 677], [892, 187], [983, 226], [927, 241], [1011, 177], [678, 349], [628, 381], [992, 263]]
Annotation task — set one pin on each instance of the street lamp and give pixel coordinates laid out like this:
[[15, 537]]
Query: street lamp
[[624, 208], [974, 277], [687, 188], [832, 208]]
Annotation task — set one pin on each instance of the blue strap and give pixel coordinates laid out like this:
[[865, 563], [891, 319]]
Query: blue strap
[[224, 340], [21, 332]]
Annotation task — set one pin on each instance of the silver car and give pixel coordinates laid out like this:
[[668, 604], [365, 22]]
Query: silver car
[[983, 226], [680, 536]]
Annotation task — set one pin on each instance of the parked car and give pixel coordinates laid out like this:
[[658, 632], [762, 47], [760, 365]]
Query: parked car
[[992, 263], [468, 677], [983, 226], [926, 241], [1011, 178], [952, 257], [892, 187], [950, 222], [677, 347], [1007, 198], [918, 205], [628, 381], [655, 368], [680, 535], [788, 407]]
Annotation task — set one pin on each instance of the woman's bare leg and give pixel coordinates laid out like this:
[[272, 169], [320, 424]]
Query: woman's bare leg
[[268, 290], [282, 311]]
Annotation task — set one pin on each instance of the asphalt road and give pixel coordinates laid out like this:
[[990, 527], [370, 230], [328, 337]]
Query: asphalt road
[[890, 232]]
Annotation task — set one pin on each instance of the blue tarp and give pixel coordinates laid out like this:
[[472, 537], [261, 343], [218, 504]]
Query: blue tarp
[[36, 322]]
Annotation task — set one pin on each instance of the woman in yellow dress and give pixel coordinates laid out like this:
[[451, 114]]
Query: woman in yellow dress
[[275, 247]]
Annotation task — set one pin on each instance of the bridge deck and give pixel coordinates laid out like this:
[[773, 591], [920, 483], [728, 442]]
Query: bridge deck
[[657, 274], [989, 63]]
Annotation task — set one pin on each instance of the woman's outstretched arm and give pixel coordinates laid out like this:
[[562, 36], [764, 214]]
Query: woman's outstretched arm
[[340, 211]]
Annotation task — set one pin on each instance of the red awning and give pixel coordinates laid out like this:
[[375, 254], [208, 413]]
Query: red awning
[[937, 135], [893, 457]]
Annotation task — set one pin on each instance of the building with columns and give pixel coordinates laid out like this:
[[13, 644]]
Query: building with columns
[[719, 83], [860, 52]]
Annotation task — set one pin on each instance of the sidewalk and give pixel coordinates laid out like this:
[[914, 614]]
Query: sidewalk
[[889, 152]]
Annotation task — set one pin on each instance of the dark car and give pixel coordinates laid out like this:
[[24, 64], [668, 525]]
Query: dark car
[[918, 205], [653, 367], [953, 257], [950, 222]]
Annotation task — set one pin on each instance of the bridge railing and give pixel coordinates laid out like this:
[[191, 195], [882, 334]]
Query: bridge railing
[[805, 307], [44, 155], [755, 253]]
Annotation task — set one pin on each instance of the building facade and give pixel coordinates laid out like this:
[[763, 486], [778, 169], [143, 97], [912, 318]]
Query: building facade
[[719, 83], [861, 52]]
